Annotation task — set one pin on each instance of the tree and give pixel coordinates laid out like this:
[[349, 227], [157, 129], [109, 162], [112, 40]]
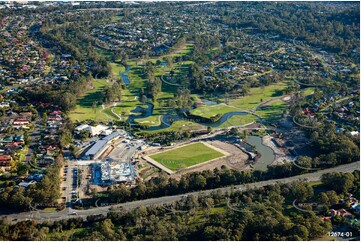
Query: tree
[[94, 106], [200, 181], [44, 117], [120, 194], [215, 233], [109, 94], [143, 99], [304, 161], [106, 227], [22, 169], [209, 129], [301, 231], [340, 182], [68, 101], [301, 191], [59, 161], [233, 131], [27, 139], [169, 61], [117, 91], [84, 134], [328, 198]]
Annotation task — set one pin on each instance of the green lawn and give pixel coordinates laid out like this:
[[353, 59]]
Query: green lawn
[[23, 153], [180, 125], [254, 98], [116, 69], [258, 95], [153, 120], [84, 110], [272, 111], [209, 111], [186, 156], [239, 120], [308, 91]]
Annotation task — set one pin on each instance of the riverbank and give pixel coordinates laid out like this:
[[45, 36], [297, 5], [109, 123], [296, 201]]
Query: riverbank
[[280, 155]]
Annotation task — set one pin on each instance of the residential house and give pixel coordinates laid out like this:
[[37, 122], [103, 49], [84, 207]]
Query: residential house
[[21, 121], [14, 145], [26, 184], [47, 160], [5, 160], [340, 212], [7, 139], [19, 138]]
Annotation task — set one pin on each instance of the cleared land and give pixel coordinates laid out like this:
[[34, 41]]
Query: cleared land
[[186, 156]]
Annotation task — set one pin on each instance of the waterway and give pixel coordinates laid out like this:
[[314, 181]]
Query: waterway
[[144, 113], [225, 117], [124, 76], [267, 154], [167, 120]]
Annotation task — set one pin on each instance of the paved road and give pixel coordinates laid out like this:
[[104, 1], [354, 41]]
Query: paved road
[[169, 199], [158, 165]]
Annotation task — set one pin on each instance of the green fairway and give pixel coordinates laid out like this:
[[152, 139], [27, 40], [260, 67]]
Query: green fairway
[[272, 111], [179, 126], [239, 120], [84, 110], [209, 111], [153, 120], [308, 91], [258, 95], [116, 69], [254, 98], [186, 156]]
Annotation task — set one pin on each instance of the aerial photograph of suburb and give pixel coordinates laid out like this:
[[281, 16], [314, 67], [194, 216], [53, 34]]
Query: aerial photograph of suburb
[[157, 120]]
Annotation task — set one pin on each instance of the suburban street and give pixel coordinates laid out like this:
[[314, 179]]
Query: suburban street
[[69, 213]]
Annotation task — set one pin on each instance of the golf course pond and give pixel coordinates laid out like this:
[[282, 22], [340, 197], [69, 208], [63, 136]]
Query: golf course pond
[[124, 76]]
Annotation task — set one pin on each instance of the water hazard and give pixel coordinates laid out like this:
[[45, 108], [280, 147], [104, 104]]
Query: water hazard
[[124, 76]]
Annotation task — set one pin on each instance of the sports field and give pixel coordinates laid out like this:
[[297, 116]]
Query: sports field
[[186, 156]]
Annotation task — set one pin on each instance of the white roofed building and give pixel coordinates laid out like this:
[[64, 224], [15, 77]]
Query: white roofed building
[[81, 127], [94, 131]]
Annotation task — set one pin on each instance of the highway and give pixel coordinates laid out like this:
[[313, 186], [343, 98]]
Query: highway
[[67, 213]]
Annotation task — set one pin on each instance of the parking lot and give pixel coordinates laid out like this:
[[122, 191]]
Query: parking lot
[[69, 183], [124, 151]]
